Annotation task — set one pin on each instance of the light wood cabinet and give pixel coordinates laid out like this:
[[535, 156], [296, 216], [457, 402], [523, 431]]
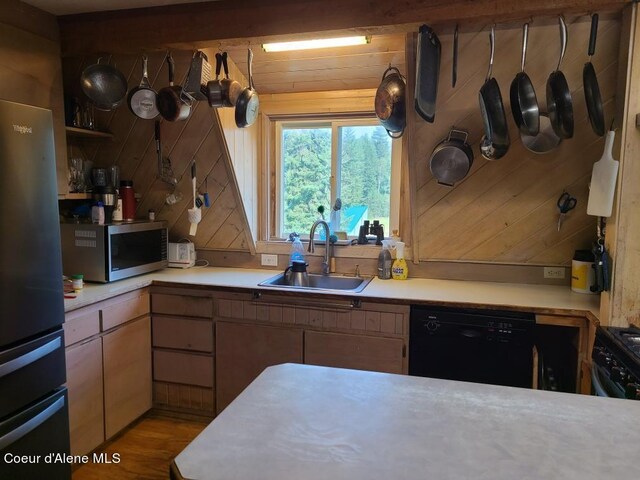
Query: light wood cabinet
[[127, 374], [84, 384], [243, 351], [108, 355], [360, 352]]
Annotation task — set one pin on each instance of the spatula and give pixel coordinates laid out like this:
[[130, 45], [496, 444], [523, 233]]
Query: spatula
[[195, 215], [603, 181]]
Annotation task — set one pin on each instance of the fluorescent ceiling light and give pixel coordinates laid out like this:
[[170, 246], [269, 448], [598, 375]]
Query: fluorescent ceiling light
[[319, 43]]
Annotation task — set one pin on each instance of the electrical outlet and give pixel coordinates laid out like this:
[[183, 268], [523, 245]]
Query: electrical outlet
[[269, 260], [554, 272]]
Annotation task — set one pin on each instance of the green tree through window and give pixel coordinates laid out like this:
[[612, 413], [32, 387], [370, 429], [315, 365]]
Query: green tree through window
[[362, 170]]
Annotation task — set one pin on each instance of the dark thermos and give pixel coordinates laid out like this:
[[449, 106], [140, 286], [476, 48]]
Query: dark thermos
[[128, 200]]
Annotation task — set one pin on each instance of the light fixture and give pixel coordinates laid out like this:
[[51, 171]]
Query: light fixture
[[318, 43]]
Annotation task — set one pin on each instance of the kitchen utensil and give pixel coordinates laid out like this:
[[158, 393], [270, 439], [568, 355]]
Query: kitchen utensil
[[603, 181], [427, 73], [495, 142], [454, 65], [524, 104], [545, 141], [142, 99], [565, 204], [214, 87], [559, 101], [231, 89], [248, 103], [390, 102], [199, 76], [591, 88], [104, 85], [195, 215], [452, 158], [172, 102], [165, 170]]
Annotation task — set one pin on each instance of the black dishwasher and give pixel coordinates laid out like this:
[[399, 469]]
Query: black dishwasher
[[483, 346]]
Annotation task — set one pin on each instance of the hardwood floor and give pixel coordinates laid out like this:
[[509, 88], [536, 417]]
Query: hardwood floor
[[146, 449]]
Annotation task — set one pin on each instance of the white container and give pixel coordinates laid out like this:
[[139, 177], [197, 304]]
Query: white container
[[117, 211], [582, 272], [97, 214]]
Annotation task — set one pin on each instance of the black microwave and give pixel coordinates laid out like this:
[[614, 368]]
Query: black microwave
[[104, 253]]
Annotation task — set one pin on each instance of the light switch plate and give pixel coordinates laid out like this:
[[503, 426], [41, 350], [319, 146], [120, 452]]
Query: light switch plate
[[554, 272], [267, 260]]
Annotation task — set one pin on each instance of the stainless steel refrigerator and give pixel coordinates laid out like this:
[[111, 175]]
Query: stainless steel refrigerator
[[33, 402]]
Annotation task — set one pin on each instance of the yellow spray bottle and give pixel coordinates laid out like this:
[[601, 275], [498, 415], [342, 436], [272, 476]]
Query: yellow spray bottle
[[399, 270]]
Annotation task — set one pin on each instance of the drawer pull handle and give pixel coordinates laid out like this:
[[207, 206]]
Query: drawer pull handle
[[29, 357], [31, 424]]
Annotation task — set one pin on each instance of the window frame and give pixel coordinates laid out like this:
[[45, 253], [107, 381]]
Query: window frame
[[335, 123]]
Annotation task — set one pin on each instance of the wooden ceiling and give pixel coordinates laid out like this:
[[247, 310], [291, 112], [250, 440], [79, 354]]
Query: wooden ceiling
[[341, 68]]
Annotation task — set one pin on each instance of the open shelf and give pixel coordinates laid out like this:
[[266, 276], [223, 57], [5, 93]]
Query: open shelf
[[86, 133]]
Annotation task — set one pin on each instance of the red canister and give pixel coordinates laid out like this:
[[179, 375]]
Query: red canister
[[128, 200]]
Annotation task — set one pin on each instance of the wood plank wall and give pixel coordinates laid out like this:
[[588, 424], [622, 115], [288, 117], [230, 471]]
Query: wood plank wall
[[200, 137], [505, 211], [242, 144], [31, 70]]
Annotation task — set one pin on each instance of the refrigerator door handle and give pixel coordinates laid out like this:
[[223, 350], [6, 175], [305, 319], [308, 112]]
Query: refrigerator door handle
[[30, 357], [30, 425]]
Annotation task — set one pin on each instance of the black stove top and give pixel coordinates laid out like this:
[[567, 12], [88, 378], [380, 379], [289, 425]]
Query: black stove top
[[628, 338], [616, 356]]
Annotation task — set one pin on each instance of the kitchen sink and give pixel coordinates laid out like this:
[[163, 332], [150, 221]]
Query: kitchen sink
[[321, 282]]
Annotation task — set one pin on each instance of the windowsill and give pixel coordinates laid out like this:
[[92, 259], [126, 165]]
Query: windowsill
[[282, 247]]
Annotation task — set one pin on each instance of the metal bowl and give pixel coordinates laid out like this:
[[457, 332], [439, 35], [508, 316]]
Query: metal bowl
[[104, 85]]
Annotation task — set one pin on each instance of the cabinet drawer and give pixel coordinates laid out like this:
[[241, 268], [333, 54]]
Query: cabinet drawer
[[184, 368], [127, 308], [182, 305], [183, 333], [81, 324]]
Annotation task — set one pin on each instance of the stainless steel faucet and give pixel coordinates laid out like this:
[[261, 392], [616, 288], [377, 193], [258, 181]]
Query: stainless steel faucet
[[327, 244]]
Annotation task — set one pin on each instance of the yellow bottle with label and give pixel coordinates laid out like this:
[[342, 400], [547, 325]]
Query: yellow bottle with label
[[399, 270]]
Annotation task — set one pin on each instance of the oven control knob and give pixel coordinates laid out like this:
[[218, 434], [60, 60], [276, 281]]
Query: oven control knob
[[633, 391], [432, 325], [618, 374]]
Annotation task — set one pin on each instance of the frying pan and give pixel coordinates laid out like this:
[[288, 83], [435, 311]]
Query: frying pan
[[559, 101], [427, 73], [248, 103], [495, 141], [591, 89], [104, 85], [451, 159], [231, 89], [169, 100], [142, 99], [524, 104]]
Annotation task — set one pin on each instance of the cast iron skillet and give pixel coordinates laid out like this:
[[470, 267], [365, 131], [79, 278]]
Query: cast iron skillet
[[495, 141], [524, 104], [591, 89], [559, 101]]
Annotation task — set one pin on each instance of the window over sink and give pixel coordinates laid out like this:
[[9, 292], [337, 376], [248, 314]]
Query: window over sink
[[318, 161]]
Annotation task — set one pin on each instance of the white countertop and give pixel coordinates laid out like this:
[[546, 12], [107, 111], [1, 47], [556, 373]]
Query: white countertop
[[542, 298], [302, 422]]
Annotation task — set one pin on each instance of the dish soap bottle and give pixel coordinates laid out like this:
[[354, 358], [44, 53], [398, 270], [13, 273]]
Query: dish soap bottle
[[400, 271], [297, 251], [384, 261]]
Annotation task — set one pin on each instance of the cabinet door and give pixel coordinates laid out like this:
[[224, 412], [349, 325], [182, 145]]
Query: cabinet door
[[84, 383], [127, 374], [244, 351], [359, 352]]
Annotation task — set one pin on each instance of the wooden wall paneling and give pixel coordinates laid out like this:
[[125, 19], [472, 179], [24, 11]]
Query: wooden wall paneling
[[621, 306], [497, 198], [199, 137], [31, 70]]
